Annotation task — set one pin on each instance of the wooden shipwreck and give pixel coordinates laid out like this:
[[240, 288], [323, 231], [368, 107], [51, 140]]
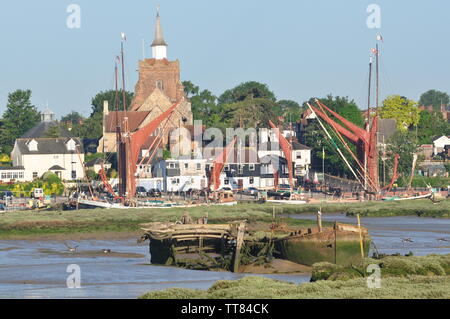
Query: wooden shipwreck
[[195, 246], [198, 245]]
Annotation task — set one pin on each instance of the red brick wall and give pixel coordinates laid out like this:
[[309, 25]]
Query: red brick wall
[[151, 71]]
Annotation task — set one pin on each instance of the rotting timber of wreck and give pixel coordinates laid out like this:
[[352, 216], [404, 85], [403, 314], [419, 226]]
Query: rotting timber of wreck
[[258, 247]]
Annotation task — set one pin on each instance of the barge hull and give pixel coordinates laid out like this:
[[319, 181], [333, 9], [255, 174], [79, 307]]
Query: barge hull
[[342, 248]]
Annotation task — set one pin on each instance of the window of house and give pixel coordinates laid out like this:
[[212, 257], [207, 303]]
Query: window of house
[[226, 182], [251, 180], [186, 165], [20, 174], [251, 167], [226, 168], [171, 165], [241, 169], [74, 174], [199, 166], [3, 175], [35, 175]]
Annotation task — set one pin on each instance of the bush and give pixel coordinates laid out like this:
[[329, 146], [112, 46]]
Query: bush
[[51, 177], [174, 293], [323, 271]]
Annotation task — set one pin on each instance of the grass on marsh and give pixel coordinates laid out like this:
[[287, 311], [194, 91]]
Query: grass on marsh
[[94, 220], [390, 266], [420, 287]]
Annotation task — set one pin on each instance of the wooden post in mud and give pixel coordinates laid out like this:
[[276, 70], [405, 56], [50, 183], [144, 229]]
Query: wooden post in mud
[[239, 243], [319, 221], [360, 237], [335, 242]]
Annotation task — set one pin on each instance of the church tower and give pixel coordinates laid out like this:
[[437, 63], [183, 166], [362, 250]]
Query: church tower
[[159, 46], [159, 85], [158, 88]]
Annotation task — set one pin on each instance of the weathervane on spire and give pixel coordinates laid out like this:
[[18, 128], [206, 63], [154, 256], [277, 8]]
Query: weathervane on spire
[[157, 10]]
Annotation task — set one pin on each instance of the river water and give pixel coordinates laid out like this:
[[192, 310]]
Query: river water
[[427, 235], [38, 269]]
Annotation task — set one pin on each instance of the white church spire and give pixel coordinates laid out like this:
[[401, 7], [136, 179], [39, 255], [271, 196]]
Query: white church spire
[[159, 46]]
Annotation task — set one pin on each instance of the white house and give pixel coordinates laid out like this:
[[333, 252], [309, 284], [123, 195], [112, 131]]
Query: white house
[[62, 156], [439, 144], [301, 155], [97, 164], [185, 174]]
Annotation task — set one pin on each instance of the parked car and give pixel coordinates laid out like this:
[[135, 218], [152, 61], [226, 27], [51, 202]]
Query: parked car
[[154, 193], [6, 195], [141, 191], [37, 193], [251, 191], [226, 189]]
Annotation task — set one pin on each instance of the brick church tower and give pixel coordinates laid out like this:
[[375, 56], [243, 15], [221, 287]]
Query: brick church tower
[[159, 85], [158, 88]]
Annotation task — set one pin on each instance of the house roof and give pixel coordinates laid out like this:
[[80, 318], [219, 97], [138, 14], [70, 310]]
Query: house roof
[[96, 161], [438, 137], [386, 128], [273, 158], [14, 168], [135, 119], [41, 129], [48, 145]]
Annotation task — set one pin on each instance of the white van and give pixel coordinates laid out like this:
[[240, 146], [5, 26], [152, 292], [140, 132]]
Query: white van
[[38, 193]]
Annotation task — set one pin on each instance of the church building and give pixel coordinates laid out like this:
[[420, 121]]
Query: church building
[[158, 88]]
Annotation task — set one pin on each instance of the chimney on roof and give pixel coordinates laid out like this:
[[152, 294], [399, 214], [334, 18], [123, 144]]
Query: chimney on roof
[[159, 46], [105, 107]]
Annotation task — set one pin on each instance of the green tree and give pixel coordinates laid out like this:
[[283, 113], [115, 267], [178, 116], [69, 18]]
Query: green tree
[[53, 131], [315, 138], [110, 96], [190, 89], [73, 118], [92, 127], [73, 122], [431, 124], [250, 112], [434, 98], [20, 115], [403, 110], [249, 104], [289, 109], [244, 90], [405, 145]]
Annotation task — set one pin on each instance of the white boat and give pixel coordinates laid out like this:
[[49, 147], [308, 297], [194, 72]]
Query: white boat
[[288, 201], [407, 198], [101, 204]]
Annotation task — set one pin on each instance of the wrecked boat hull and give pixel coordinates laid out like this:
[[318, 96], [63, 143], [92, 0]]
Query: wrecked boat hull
[[337, 247]]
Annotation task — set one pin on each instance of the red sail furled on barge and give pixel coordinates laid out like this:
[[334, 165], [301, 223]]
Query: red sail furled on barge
[[364, 140]]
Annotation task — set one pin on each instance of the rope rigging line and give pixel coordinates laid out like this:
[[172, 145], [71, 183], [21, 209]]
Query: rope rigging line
[[362, 171], [335, 145]]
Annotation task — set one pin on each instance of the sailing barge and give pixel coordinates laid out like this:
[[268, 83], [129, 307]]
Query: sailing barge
[[205, 246]]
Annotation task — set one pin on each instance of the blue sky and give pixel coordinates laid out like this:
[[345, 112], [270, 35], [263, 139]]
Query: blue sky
[[299, 48]]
